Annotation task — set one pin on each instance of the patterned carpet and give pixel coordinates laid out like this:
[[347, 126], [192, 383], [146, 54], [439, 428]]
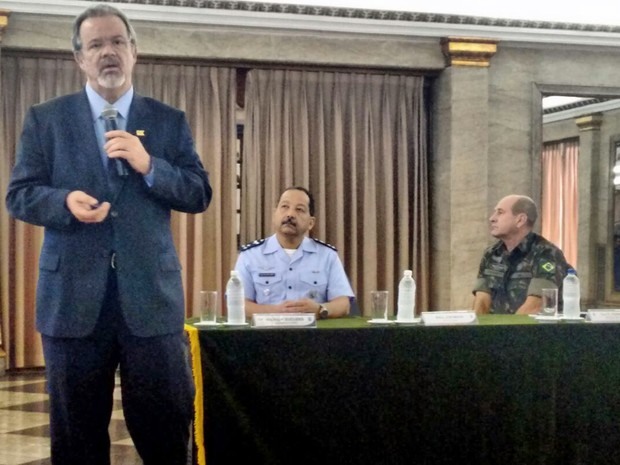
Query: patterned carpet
[[24, 423]]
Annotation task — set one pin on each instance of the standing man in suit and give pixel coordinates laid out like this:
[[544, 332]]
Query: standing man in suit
[[110, 292]]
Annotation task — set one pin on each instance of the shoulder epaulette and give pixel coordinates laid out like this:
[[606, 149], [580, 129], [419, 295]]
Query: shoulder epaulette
[[251, 245], [325, 244]]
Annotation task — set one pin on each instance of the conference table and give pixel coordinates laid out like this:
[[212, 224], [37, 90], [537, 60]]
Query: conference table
[[507, 390]]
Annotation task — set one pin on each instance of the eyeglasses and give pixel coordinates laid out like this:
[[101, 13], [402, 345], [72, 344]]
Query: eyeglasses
[[117, 43]]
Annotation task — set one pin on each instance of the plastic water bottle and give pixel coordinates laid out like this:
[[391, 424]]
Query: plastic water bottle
[[571, 295], [235, 299], [406, 298]]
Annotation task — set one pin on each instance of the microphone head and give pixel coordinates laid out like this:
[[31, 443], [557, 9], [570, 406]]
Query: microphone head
[[109, 112]]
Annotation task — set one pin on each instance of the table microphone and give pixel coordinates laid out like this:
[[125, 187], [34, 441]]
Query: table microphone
[[109, 115]]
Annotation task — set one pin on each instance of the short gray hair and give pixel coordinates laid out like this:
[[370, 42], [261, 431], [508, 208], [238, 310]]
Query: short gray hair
[[99, 11], [526, 205]]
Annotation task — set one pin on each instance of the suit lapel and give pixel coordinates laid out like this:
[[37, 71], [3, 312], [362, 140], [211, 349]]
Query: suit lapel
[[138, 114], [138, 117], [87, 143]]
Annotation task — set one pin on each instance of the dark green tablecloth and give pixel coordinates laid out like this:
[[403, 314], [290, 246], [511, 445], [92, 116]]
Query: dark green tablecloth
[[506, 391]]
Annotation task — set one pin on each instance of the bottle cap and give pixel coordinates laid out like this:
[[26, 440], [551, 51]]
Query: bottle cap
[[233, 272], [408, 273]]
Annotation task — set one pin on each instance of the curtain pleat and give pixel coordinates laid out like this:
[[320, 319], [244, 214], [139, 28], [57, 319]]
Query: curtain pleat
[[206, 243], [25, 81], [358, 142], [559, 212]]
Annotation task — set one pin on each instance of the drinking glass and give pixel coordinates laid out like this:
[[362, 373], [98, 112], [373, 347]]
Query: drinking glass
[[379, 303], [549, 302], [209, 308]]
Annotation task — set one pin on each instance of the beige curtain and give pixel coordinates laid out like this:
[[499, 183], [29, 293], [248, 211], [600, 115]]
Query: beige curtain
[[25, 81], [559, 210], [358, 142], [206, 242]]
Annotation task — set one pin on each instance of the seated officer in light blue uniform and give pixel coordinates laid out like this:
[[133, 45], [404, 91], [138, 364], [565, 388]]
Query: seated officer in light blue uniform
[[290, 272]]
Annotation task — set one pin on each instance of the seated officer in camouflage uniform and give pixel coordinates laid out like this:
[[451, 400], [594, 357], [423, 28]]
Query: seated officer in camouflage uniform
[[290, 272], [522, 263]]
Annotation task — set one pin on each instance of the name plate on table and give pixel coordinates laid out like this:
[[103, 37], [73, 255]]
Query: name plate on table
[[449, 318], [284, 320], [610, 315]]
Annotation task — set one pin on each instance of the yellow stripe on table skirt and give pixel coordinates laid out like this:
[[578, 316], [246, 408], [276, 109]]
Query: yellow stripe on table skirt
[[194, 344]]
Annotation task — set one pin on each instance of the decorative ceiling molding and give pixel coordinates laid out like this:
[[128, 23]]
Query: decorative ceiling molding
[[336, 19], [383, 15], [579, 109]]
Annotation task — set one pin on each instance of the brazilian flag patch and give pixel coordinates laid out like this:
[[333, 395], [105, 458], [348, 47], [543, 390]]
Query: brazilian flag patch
[[548, 267]]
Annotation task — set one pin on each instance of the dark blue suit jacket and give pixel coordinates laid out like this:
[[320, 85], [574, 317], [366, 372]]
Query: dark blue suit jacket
[[58, 153]]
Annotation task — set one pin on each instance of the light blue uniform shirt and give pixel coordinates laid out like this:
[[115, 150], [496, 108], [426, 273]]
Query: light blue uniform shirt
[[271, 276]]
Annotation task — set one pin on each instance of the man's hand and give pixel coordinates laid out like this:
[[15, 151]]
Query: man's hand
[[85, 208], [299, 306], [122, 144], [482, 303]]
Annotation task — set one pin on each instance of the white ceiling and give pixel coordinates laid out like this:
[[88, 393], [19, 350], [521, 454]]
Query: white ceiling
[[557, 101], [587, 12]]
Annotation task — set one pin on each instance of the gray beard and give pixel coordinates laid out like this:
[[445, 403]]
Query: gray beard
[[110, 81]]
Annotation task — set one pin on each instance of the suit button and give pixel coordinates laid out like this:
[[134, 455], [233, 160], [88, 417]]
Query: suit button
[[113, 213]]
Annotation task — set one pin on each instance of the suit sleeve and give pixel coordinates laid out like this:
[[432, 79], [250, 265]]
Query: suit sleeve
[[31, 196], [179, 178]]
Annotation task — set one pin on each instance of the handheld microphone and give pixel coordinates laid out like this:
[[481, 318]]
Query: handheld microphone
[[109, 115]]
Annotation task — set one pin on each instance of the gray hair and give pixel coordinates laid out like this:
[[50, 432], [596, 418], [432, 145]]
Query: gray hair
[[526, 205], [99, 11]]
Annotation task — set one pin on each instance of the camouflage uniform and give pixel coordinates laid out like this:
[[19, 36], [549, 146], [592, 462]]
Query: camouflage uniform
[[510, 277]]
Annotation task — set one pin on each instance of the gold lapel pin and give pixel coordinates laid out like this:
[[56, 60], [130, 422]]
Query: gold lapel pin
[[140, 133]]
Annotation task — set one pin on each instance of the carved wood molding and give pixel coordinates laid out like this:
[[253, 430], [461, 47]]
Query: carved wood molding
[[466, 51]]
